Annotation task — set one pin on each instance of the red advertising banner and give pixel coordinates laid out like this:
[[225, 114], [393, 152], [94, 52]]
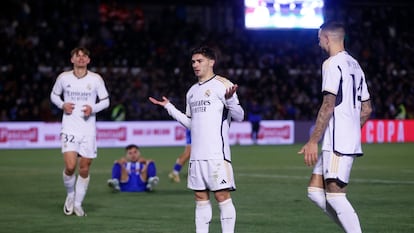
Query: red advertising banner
[[388, 131], [22, 135]]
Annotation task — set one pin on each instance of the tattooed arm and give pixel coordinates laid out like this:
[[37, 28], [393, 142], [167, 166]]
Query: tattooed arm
[[366, 110], [310, 149]]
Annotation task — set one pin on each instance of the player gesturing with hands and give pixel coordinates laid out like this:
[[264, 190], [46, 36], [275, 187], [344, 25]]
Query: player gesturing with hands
[[229, 93], [211, 104]]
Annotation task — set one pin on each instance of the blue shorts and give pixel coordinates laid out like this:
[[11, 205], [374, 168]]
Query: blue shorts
[[134, 184]]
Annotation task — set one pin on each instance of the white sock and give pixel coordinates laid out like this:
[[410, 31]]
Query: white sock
[[203, 214], [227, 216], [81, 187], [317, 196], [345, 212], [69, 183]]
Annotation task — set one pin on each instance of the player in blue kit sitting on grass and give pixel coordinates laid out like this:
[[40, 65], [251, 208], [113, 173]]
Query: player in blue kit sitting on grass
[[133, 173]]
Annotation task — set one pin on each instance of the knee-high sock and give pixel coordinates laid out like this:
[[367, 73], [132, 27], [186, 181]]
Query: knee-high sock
[[227, 216], [203, 214], [318, 196], [116, 171], [345, 212], [69, 183], [151, 170], [177, 167], [80, 190]]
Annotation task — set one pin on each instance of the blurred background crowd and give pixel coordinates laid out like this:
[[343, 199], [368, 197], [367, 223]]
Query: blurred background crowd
[[141, 49]]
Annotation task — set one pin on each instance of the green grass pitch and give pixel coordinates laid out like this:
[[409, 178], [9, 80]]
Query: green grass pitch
[[270, 198]]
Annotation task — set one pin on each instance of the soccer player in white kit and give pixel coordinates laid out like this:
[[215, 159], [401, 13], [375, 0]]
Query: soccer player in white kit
[[345, 108], [211, 104], [80, 89]]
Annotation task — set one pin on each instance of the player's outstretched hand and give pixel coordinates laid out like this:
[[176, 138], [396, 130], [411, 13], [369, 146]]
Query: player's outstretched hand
[[231, 91], [163, 102]]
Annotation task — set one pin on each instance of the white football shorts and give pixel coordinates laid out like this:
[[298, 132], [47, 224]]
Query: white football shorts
[[334, 166], [85, 145], [210, 175]]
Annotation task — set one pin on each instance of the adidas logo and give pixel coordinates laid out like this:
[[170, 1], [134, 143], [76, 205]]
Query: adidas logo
[[223, 182]]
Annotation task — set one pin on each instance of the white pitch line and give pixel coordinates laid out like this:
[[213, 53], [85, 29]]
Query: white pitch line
[[370, 181]]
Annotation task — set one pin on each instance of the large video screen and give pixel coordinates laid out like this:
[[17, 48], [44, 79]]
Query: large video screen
[[283, 14]]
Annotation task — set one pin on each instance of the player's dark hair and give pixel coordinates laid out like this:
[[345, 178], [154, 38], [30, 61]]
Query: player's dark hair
[[205, 51], [80, 49], [333, 26], [131, 146]]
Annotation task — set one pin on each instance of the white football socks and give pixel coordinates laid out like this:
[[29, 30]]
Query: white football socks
[[69, 183], [227, 216], [81, 187], [203, 214], [317, 196], [345, 212]]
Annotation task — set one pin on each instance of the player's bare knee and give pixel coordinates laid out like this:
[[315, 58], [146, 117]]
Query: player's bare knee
[[69, 170], [222, 195], [201, 195], [84, 172]]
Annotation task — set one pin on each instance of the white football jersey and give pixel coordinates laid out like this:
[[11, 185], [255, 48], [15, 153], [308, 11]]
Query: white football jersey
[[208, 115], [343, 77], [80, 91]]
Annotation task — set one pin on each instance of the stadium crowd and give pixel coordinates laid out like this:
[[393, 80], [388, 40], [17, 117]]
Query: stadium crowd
[[138, 58]]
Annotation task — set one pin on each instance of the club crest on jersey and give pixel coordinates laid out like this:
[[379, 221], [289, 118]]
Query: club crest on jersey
[[89, 87], [207, 93]]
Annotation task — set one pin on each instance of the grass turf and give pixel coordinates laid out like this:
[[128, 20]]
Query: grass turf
[[270, 198]]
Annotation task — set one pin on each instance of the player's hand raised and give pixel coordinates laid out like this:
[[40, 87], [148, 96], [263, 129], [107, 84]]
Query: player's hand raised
[[162, 102], [230, 92]]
